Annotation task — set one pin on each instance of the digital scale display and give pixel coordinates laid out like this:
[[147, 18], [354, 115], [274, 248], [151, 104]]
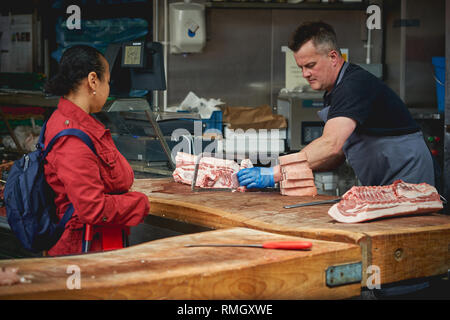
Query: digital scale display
[[133, 55]]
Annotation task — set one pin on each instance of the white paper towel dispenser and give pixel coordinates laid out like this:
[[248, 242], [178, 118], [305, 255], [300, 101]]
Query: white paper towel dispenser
[[187, 27]]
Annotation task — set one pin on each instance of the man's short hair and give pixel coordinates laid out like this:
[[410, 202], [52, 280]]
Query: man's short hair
[[321, 34]]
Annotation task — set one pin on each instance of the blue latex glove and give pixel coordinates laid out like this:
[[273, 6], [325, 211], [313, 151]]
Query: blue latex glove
[[257, 177]]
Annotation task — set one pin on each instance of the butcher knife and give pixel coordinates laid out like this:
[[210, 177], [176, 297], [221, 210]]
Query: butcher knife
[[312, 203], [286, 245]]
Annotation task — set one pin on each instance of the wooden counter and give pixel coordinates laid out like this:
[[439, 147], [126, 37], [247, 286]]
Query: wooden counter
[[166, 269], [402, 247]]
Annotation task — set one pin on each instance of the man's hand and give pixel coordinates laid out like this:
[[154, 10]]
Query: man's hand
[[257, 177]]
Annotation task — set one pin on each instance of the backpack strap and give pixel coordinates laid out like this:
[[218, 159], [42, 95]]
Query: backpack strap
[[66, 217], [70, 132], [40, 142], [66, 132]]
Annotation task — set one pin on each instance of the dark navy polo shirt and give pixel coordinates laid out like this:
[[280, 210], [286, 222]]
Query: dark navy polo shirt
[[366, 99]]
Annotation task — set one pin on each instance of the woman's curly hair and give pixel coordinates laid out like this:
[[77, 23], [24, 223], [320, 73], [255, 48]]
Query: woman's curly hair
[[76, 63]]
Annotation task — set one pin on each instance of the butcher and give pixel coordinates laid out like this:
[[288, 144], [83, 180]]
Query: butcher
[[365, 121]]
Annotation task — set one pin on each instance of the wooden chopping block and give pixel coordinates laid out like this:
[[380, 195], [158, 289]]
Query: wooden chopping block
[[401, 248], [166, 269]]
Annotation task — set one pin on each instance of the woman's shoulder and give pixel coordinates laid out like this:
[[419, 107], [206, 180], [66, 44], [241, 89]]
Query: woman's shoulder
[[53, 124], [59, 121]]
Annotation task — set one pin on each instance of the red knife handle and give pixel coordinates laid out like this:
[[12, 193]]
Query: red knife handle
[[288, 245]]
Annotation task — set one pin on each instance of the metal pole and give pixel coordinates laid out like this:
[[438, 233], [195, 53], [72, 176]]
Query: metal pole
[[446, 169], [403, 17], [155, 39]]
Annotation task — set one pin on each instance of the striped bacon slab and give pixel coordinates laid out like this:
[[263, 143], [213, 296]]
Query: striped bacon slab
[[400, 198]]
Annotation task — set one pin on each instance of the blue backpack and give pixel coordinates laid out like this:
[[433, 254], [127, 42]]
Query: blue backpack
[[29, 200]]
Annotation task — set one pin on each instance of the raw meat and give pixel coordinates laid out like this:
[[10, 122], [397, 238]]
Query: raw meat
[[286, 184], [303, 191], [400, 198], [299, 174], [212, 172], [9, 276], [297, 177], [292, 158]]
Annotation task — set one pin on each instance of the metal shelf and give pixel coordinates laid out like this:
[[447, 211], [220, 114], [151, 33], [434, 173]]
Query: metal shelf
[[275, 5], [27, 98], [425, 114]]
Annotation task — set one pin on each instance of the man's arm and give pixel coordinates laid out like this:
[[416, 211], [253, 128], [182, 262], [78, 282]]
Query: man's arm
[[331, 164], [328, 147], [325, 152]]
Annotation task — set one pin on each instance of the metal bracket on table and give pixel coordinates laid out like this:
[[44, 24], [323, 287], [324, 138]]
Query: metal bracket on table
[[160, 138], [343, 274]]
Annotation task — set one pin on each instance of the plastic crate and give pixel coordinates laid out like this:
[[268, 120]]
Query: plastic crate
[[439, 70], [214, 122]]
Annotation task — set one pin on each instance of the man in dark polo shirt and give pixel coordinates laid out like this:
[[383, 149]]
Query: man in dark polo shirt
[[365, 121]]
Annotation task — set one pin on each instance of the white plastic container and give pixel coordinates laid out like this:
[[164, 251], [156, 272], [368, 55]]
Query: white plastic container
[[187, 27]]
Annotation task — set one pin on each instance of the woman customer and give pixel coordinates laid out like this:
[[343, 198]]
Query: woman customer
[[97, 185]]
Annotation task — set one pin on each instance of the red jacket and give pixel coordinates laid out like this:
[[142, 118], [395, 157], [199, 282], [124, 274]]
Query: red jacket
[[91, 183]]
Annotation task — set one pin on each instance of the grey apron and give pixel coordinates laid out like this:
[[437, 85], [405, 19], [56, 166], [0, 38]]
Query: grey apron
[[382, 160]]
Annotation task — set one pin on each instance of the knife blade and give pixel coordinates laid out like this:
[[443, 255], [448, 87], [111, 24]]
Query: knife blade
[[213, 189], [285, 245], [194, 179], [312, 203]]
